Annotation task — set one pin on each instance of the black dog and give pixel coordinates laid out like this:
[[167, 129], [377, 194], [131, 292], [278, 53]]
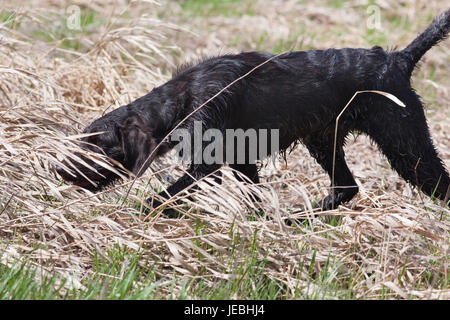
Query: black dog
[[298, 93]]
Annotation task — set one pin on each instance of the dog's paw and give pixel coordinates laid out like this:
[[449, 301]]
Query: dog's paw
[[330, 202], [154, 206]]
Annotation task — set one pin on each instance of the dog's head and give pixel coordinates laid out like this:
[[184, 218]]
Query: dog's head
[[124, 137]]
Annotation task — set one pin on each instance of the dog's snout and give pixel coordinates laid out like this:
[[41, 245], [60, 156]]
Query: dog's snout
[[62, 172], [58, 169]]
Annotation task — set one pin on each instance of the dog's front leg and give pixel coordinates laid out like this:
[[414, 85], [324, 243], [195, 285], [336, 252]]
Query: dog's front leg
[[185, 183]]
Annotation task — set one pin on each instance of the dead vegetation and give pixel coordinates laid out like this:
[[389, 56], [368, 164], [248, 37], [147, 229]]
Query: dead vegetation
[[54, 81]]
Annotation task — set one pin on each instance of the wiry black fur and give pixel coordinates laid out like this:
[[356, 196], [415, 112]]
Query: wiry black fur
[[299, 93]]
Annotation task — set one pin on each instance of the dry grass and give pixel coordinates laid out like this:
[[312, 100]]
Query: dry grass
[[391, 242]]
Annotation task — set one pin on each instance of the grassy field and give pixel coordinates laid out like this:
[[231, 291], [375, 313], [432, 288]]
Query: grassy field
[[62, 66]]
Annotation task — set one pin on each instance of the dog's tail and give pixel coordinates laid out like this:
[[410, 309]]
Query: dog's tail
[[437, 31]]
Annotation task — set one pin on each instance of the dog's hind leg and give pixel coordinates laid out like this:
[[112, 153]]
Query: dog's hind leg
[[343, 186], [403, 136]]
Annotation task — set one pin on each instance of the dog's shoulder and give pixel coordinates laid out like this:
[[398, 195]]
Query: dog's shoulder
[[226, 61]]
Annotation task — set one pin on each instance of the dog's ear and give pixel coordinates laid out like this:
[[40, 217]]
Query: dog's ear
[[137, 144]]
